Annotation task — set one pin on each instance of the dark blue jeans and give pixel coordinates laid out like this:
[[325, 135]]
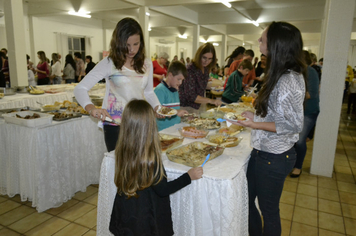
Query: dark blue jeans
[[301, 145], [266, 173]]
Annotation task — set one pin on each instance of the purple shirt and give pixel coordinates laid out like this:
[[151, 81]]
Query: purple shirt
[[192, 86]]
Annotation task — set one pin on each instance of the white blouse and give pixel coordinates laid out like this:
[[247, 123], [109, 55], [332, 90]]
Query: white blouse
[[121, 86]]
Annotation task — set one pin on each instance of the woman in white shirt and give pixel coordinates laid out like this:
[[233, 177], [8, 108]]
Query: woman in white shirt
[[275, 125], [56, 75], [128, 74]]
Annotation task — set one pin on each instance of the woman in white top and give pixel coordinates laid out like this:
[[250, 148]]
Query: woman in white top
[[56, 75], [128, 74], [275, 125]]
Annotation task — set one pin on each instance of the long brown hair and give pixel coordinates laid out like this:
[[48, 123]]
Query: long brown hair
[[124, 29], [285, 52], [138, 150], [205, 48], [42, 55]]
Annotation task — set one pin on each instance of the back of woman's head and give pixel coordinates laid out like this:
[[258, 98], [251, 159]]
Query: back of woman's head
[[238, 51], [203, 49], [55, 57], [138, 150], [70, 60], [124, 29], [284, 53]]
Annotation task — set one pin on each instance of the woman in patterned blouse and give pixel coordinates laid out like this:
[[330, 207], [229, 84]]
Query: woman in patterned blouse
[[191, 92], [276, 125]]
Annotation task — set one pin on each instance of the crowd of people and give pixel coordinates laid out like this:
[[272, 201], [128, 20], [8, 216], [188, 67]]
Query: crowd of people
[[47, 71], [286, 79]]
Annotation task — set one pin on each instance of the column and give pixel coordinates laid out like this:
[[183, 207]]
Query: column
[[335, 54], [15, 36], [144, 20], [323, 30], [196, 34], [223, 49]]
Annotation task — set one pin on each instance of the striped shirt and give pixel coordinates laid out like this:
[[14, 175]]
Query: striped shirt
[[285, 109]]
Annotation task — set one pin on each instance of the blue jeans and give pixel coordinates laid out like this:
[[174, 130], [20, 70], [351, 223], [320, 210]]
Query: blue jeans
[[266, 173], [301, 144]]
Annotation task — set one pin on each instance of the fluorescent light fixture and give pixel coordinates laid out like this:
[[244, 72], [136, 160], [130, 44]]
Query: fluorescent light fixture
[[255, 23], [80, 13], [226, 3], [184, 36], [215, 44], [147, 13], [149, 28]]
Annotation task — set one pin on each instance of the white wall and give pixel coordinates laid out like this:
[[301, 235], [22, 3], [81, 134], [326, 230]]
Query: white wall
[[45, 39]]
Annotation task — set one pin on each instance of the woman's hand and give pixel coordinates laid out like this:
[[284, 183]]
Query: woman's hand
[[216, 102], [97, 112], [195, 173], [181, 113], [248, 114], [158, 115]]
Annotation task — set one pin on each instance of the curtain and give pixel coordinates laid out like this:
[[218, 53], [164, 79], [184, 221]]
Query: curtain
[[88, 46], [62, 46]]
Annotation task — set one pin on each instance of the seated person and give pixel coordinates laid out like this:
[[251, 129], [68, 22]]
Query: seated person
[[234, 89], [214, 73], [167, 93]]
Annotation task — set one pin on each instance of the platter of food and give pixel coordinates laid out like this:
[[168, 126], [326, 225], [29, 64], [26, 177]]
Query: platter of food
[[234, 117], [188, 117], [2, 95], [10, 110], [28, 118], [202, 123], [170, 141], [212, 114], [194, 154], [166, 111], [61, 116], [48, 107], [35, 91], [223, 140], [231, 131], [193, 132]]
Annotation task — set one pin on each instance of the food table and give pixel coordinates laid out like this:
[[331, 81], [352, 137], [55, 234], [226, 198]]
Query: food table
[[49, 164], [217, 204]]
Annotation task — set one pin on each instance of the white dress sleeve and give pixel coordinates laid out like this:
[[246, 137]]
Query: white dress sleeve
[[150, 96], [100, 71]]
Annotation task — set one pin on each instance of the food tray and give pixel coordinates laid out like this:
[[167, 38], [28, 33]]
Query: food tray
[[188, 117], [194, 154], [49, 107], [212, 114], [193, 132], [170, 141], [208, 124], [74, 115], [9, 110], [44, 119], [223, 140], [232, 130]]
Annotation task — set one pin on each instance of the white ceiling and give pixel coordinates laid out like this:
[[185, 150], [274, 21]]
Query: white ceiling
[[170, 17]]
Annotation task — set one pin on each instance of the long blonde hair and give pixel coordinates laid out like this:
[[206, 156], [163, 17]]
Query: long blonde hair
[[138, 150]]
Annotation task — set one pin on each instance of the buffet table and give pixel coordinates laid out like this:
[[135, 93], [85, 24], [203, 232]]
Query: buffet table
[[217, 204], [49, 164]]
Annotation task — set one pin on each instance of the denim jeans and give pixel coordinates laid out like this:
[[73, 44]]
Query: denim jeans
[[266, 173], [301, 144]]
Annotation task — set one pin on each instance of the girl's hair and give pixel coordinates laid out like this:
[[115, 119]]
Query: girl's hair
[[42, 55], [124, 29], [285, 52], [235, 53], [55, 57], [205, 48], [70, 60], [138, 150]]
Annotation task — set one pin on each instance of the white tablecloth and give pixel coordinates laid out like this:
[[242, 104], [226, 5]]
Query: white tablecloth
[[25, 99], [48, 165], [217, 204]]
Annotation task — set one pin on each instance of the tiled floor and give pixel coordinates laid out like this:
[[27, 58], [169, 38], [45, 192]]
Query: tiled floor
[[310, 206]]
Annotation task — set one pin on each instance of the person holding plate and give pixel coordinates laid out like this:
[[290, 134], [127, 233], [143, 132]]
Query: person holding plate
[[276, 125], [128, 74]]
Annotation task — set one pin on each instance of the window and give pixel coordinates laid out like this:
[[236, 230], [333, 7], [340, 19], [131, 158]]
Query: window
[[76, 44]]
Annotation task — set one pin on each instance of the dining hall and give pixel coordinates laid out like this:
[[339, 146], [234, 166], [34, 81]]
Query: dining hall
[[202, 69]]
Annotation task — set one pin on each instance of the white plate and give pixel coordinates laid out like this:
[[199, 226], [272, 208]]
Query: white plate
[[173, 112], [230, 117]]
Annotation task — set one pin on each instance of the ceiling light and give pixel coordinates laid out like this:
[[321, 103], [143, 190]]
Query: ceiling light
[[226, 3], [215, 44], [80, 13], [255, 23], [184, 36], [149, 28], [148, 14]]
